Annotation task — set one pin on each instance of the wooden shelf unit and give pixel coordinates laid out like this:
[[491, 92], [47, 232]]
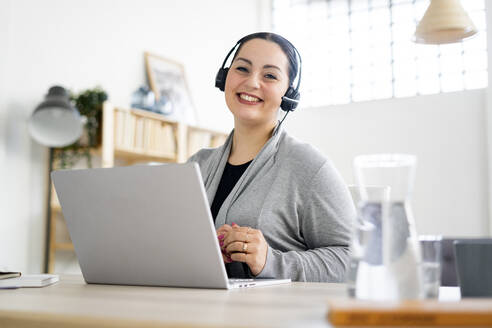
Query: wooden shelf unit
[[166, 142]]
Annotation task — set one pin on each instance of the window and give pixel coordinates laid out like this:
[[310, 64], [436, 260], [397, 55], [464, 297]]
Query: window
[[357, 50]]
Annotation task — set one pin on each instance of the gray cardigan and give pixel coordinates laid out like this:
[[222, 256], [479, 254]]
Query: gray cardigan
[[298, 200]]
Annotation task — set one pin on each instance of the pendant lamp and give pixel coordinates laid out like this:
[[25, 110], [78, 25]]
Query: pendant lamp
[[445, 21]]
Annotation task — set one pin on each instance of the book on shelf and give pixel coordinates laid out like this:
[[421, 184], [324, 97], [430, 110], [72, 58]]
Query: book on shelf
[[168, 140], [159, 138], [129, 137], [198, 140], [139, 133], [29, 280], [154, 135], [146, 134], [464, 313], [119, 127]]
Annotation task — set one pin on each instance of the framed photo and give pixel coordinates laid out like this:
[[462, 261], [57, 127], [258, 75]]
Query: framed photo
[[168, 82]]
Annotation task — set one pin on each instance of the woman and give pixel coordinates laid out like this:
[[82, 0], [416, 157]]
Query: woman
[[280, 207]]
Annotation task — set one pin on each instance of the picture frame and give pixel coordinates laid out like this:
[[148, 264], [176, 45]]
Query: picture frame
[[167, 81]]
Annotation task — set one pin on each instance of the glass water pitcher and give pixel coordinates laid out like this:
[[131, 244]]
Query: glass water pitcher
[[385, 246]]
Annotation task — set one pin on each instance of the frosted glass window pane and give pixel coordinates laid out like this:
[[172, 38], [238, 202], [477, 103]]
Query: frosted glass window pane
[[339, 43], [403, 51], [341, 77], [472, 5], [322, 49], [426, 51], [380, 17], [403, 32], [452, 64], [319, 9], [405, 70], [380, 37], [403, 14], [451, 49], [428, 67], [360, 39], [340, 95], [405, 88], [360, 58], [360, 21], [301, 10], [358, 5], [475, 61], [476, 80], [382, 90], [361, 75], [341, 59], [364, 56], [338, 7], [395, 2], [380, 3], [427, 85], [478, 18], [477, 42], [317, 26], [381, 56], [362, 92], [451, 82], [339, 25], [420, 8], [381, 74]]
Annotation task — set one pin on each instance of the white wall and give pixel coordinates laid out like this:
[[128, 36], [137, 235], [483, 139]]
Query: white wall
[[445, 131], [83, 43]]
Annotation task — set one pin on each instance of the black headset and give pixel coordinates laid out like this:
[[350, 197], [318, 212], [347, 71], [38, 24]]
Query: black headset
[[291, 98]]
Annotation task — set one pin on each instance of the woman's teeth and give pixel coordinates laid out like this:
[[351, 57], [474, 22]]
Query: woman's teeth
[[249, 98]]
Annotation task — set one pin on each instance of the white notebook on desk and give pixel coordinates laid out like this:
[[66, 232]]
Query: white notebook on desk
[[29, 280]]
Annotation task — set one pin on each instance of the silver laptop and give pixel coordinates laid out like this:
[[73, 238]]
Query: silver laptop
[[144, 225]]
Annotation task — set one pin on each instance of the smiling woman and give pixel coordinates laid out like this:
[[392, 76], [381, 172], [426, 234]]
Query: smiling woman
[[255, 86], [281, 209]]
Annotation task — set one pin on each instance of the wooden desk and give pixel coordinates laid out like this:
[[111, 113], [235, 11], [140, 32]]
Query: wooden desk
[[73, 303]]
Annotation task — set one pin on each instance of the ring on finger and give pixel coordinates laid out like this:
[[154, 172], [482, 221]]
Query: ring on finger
[[245, 247]]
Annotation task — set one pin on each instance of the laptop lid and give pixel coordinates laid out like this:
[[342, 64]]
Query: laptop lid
[[142, 225]]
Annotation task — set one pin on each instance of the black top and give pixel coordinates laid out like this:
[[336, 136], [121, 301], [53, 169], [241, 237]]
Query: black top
[[231, 175]]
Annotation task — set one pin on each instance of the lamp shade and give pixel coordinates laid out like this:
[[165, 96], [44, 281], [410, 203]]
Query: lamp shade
[[445, 21], [55, 122]]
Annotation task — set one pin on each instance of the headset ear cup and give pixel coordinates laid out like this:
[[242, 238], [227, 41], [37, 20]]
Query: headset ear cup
[[290, 100], [220, 78]]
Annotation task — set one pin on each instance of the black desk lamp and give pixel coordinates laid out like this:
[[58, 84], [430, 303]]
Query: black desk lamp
[[54, 123]]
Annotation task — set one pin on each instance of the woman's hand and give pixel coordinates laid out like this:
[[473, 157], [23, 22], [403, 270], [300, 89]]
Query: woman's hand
[[245, 244], [221, 232]]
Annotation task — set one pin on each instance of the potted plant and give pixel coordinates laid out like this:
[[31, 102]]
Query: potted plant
[[89, 103]]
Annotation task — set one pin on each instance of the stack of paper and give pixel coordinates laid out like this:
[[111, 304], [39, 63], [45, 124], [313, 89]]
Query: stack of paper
[[29, 280]]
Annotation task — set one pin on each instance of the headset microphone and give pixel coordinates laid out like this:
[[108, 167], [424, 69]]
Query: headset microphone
[[291, 98]]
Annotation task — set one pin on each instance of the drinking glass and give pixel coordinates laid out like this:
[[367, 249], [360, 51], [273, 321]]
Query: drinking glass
[[431, 265]]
